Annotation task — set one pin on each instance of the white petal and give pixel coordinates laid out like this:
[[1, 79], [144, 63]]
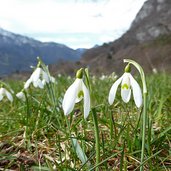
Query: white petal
[[86, 101], [70, 97], [126, 95], [80, 88], [9, 96], [44, 82], [45, 76], [125, 88], [21, 96], [1, 93], [35, 84], [38, 83], [136, 91], [113, 90], [36, 74], [52, 79], [27, 84], [78, 99], [1, 97]]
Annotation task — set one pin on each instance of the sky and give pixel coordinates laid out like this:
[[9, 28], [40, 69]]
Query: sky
[[75, 23]]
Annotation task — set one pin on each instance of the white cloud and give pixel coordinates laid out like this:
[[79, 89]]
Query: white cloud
[[103, 18]]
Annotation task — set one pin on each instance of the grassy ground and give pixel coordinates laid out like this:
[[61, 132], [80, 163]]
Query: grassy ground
[[35, 135]]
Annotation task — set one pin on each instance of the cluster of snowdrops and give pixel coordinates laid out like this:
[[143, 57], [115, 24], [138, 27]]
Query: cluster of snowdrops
[[78, 90]]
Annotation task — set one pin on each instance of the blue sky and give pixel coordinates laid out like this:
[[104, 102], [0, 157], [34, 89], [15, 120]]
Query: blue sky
[[75, 23]]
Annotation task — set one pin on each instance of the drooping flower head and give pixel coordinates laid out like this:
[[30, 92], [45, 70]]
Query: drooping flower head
[[39, 78], [75, 93], [4, 92], [21, 96], [128, 84]]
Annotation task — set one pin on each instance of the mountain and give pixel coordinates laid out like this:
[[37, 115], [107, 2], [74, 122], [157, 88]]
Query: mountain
[[18, 52], [148, 41]]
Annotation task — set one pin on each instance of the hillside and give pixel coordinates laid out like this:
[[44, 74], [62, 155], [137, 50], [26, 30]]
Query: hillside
[[148, 41], [18, 52]]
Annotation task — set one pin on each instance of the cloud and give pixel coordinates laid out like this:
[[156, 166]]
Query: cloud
[[74, 40], [104, 18]]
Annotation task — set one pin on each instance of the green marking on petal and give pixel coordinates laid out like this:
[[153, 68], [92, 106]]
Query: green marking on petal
[[125, 86], [80, 94]]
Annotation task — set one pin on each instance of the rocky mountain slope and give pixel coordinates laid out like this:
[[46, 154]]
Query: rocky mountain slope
[[148, 41], [18, 52]]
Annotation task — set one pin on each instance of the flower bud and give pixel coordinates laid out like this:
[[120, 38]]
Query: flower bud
[[79, 73], [128, 68]]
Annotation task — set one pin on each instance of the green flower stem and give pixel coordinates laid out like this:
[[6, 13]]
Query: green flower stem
[[139, 68], [143, 129], [51, 90], [95, 120], [27, 108], [27, 124], [96, 129]]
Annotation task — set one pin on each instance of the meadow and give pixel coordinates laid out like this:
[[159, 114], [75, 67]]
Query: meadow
[[36, 135]]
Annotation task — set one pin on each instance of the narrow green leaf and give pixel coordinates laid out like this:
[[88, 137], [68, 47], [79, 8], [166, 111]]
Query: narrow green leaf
[[80, 153]]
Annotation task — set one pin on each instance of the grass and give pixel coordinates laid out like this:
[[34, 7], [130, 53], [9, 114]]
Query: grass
[[35, 135]]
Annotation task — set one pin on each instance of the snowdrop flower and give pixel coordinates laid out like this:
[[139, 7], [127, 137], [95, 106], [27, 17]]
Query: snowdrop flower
[[39, 78], [103, 77], [69, 77], [59, 75], [113, 76], [127, 83], [21, 96], [4, 92], [154, 70], [52, 79], [75, 93]]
